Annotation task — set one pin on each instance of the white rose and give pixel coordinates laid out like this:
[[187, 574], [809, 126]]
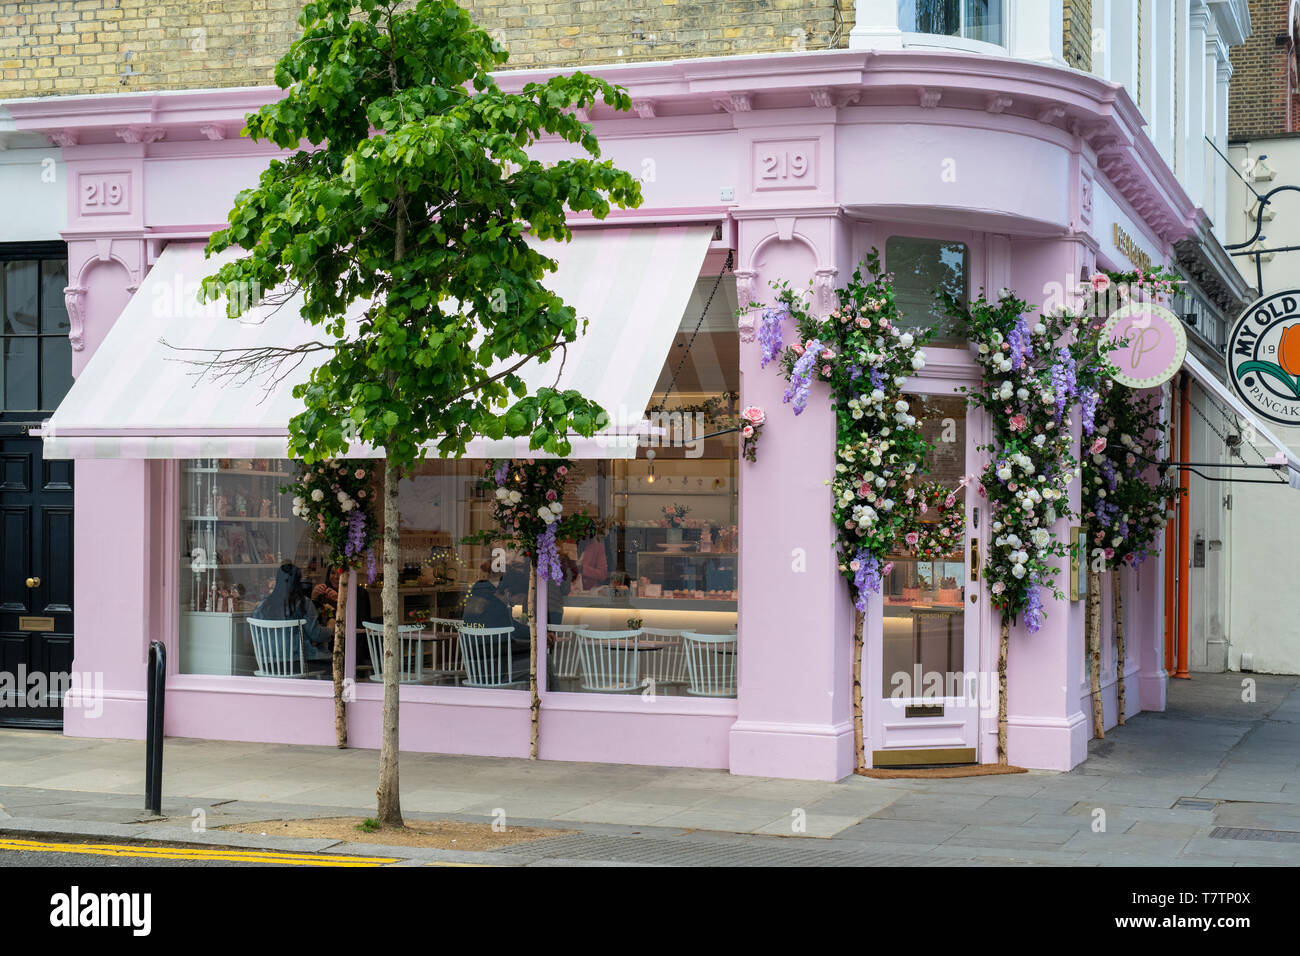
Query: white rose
[[918, 361], [906, 340], [317, 495], [1018, 570], [298, 501], [1039, 328]]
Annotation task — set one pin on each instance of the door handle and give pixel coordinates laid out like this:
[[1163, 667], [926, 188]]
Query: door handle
[[974, 559], [33, 582]]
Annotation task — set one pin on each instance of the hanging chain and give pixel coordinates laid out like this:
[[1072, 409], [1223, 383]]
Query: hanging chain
[[726, 267], [1223, 412]]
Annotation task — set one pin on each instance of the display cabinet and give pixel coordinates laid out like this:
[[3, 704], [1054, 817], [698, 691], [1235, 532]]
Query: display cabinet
[[235, 532]]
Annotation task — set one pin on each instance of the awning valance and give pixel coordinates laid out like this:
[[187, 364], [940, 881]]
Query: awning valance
[[142, 396], [1216, 388]]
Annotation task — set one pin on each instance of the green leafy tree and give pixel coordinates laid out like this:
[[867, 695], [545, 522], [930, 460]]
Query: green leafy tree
[[409, 192]]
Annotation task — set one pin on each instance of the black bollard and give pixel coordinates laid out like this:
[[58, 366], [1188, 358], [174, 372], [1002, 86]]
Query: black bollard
[[153, 745]]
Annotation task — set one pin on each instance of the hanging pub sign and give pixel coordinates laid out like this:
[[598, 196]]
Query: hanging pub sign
[[1264, 357], [1152, 344]]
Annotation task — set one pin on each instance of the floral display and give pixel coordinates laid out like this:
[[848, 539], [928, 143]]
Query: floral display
[[336, 500], [752, 420], [1123, 508], [528, 508], [1035, 370], [675, 514], [865, 356], [934, 519]]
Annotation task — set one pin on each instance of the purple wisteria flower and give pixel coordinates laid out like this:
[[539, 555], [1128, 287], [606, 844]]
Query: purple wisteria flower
[[769, 336], [1033, 609], [501, 473], [370, 565], [855, 372], [356, 534], [1064, 384], [877, 380], [1019, 341], [866, 579], [548, 556], [801, 377], [1088, 409]]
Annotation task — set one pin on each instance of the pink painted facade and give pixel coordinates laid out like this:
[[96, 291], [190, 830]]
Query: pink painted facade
[[1030, 166]]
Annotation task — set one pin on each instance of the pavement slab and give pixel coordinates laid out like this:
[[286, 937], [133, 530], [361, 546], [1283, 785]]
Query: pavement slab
[[1242, 760]]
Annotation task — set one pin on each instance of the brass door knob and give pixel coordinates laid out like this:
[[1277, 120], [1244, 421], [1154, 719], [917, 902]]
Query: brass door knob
[[33, 582]]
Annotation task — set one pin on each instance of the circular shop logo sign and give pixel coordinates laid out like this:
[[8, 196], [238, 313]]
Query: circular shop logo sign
[[1264, 357], [1152, 344]]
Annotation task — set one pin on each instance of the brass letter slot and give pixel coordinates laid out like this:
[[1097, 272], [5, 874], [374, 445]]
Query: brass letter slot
[[36, 624], [974, 559], [923, 710]]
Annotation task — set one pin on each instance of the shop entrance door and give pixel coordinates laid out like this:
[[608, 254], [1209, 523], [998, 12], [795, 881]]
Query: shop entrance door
[[36, 495], [923, 679]]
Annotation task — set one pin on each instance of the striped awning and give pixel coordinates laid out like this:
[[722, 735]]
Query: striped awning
[[146, 392]]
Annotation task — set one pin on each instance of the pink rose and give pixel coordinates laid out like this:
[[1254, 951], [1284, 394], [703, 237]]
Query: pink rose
[[923, 507], [864, 489], [949, 501], [889, 566], [1110, 553], [747, 431], [1098, 446], [551, 495], [1017, 423], [797, 349], [754, 415], [562, 470], [911, 538], [826, 370], [360, 473], [864, 322], [998, 587], [1099, 281]]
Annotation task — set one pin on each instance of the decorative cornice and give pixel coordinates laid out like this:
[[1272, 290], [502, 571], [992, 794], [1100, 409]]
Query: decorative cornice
[[213, 132], [997, 103], [644, 108], [63, 138], [74, 299], [141, 134], [929, 97]]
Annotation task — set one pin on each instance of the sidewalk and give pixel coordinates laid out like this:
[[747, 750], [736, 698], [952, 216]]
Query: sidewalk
[[1212, 781]]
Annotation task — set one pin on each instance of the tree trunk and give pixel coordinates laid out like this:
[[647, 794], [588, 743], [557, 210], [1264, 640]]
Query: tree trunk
[[859, 744], [389, 797], [1118, 591], [535, 701], [1094, 653], [1004, 645], [340, 640]]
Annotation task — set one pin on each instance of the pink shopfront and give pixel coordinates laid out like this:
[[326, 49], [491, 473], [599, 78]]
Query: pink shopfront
[[965, 172]]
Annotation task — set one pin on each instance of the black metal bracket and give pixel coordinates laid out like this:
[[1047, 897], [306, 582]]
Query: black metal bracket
[[1259, 228], [1193, 468]]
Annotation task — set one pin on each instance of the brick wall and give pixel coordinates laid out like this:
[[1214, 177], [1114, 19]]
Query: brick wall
[[114, 46], [1258, 91], [1078, 33]]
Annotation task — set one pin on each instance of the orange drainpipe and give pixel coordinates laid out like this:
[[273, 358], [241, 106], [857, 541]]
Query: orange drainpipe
[[1184, 525], [1171, 548]]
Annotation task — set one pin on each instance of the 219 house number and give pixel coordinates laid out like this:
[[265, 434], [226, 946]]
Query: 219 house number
[[783, 165], [101, 192]]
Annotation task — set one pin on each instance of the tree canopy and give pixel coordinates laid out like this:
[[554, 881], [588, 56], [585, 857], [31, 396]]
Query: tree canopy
[[410, 186]]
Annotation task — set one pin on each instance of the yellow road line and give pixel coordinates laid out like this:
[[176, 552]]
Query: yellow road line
[[224, 854]]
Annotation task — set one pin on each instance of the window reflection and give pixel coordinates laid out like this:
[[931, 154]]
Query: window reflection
[[922, 269], [971, 19]]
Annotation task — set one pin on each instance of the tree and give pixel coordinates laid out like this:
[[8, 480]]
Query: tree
[[410, 190]]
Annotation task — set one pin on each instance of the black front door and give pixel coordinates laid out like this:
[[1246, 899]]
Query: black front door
[[35, 583], [35, 494]]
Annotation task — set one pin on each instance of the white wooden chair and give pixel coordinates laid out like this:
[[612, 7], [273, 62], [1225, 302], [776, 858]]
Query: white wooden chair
[[279, 647], [710, 664], [447, 665], [410, 651], [562, 654], [489, 656], [609, 661], [666, 666]]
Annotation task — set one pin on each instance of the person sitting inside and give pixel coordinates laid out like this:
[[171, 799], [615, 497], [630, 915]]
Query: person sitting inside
[[288, 601], [489, 605]]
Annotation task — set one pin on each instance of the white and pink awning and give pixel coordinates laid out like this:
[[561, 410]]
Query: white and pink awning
[[144, 394]]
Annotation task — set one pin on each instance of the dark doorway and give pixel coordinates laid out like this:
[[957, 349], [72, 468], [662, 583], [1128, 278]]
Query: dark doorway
[[36, 496]]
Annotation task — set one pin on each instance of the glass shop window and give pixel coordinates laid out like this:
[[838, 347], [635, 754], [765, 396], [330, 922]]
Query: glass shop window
[[971, 19], [36, 365], [244, 556], [923, 268], [649, 601]]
